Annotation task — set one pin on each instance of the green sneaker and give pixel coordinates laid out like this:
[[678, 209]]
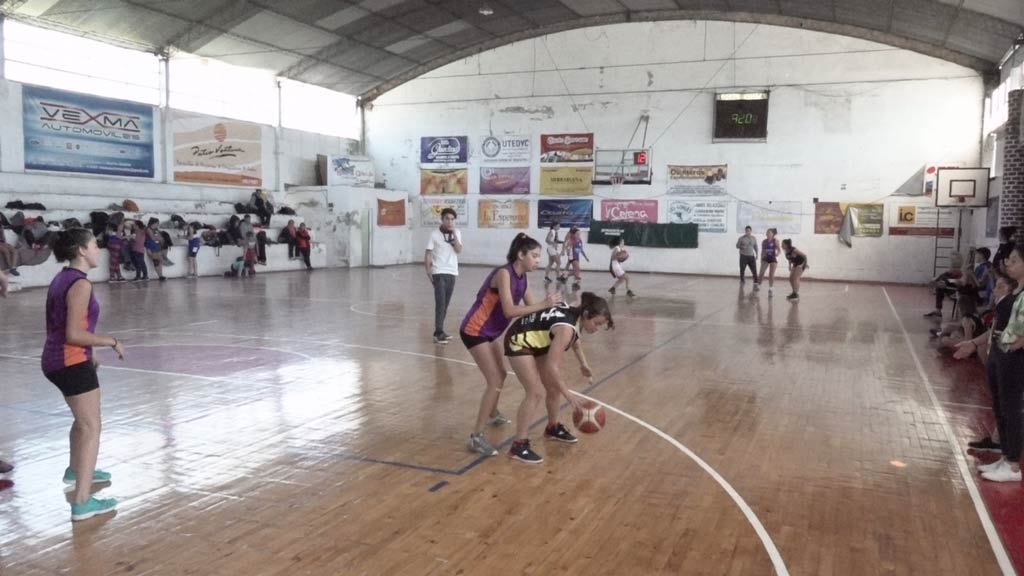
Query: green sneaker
[[92, 507], [97, 476]]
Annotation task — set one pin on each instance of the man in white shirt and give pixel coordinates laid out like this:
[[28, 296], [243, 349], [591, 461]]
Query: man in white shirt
[[442, 263]]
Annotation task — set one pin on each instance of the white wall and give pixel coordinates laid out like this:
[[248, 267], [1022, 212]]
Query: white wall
[[295, 164], [850, 121]]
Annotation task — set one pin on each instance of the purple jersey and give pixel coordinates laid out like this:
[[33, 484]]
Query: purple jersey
[[57, 353], [485, 318]]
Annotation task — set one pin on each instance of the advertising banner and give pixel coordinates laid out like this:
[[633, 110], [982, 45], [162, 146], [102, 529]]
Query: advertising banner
[[629, 210], [505, 180], [697, 180], [430, 210], [566, 148], [784, 216], [390, 213], [70, 132], [348, 171], [828, 218], [442, 182], [216, 151], [503, 214], [566, 181], [917, 220], [644, 234], [443, 149], [867, 219], [708, 215], [565, 212], [505, 149]]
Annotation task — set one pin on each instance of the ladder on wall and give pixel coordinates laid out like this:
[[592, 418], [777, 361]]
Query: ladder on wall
[[945, 247]]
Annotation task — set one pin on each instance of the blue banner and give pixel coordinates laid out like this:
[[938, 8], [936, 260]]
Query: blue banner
[[565, 212], [443, 149], [70, 132]]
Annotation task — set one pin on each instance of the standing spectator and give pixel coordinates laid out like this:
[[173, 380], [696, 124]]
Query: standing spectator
[[747, 245], [441, 261], [115, 246], [1006, 234], [195, 240], [138, 235], [983, 272], [288, 236], [303, 241], [250, 254], [154, 245]]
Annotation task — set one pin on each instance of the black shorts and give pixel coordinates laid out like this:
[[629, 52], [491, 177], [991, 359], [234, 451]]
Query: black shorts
[[769, 260], [75, 380], [472, 341]]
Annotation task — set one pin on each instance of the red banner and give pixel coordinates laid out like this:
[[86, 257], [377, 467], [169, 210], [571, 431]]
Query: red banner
[[629, 211], [390, 213], [567, 147]]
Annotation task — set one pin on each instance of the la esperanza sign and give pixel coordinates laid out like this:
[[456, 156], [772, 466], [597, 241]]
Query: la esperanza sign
[[629, 211]]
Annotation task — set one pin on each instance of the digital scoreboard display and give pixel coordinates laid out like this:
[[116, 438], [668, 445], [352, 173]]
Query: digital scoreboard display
[[741, 117]]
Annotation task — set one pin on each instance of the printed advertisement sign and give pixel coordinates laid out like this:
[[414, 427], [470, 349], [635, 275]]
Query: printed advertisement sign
[[443, 182], [505, 180], [785, 216], [69, 132], [629, 210], [350, 171], [828, 218], [566, 181], [697, 180], [430, 210], [216, 151], [917, 220], [503, 214], [505, 149], [390, 213], [566, 148], [867, 219], [565, 212], [443, 149], [708, 215]]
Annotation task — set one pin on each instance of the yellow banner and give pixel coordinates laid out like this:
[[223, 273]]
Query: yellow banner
[[503, 214], [435, 182], [566, 181]]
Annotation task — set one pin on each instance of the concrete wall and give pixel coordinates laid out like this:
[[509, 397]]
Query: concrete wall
[[850, 121]]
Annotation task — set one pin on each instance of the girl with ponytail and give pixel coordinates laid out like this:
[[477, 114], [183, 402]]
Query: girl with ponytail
[[72, 313], [534, 345], [502, 297]]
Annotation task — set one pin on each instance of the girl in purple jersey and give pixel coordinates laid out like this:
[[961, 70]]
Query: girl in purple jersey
[[72, 313], [500, 299]]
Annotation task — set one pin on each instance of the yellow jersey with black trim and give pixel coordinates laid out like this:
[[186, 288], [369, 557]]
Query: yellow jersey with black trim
[[532, 333]]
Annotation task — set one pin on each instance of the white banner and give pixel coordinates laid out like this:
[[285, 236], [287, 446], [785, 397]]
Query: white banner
[[350, 171], [505, 149], [431, 207], [216, 151], [709, 216], [785, 216]]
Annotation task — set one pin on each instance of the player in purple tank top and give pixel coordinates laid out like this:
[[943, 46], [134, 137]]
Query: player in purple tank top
[[502, 298], [72, 313]]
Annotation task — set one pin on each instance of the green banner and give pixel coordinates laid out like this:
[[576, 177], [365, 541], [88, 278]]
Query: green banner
[[644, 234]]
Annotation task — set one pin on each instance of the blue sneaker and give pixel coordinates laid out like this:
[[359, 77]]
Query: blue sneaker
[[92, 507], [97, 476]]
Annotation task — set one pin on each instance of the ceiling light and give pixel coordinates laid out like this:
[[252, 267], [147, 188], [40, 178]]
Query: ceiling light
[[486, 10]]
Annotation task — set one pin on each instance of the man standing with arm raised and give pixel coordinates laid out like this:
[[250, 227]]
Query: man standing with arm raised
[[441, 261]]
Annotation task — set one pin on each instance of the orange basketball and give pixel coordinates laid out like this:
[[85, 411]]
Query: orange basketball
[[622, 256], [589, 420]]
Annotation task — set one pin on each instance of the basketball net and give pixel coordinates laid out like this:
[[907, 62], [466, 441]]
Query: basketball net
[[617, 180]]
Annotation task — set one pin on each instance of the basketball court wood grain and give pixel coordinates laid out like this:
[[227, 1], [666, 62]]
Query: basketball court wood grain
[[305, 424]]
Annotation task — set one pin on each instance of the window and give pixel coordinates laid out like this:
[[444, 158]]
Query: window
[[315, 109], [211, 87], [47, 58]]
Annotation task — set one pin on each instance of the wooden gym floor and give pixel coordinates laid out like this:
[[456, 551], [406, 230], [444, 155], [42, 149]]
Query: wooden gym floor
[[305, 424]]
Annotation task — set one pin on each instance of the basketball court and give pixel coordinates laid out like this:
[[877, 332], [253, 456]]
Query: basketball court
[[317, 430]]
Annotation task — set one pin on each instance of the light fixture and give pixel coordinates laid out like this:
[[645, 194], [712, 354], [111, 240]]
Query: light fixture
[[486, 10]]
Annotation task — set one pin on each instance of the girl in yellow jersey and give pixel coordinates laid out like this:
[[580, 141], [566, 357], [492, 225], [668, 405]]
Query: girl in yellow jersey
[[534, 345]]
